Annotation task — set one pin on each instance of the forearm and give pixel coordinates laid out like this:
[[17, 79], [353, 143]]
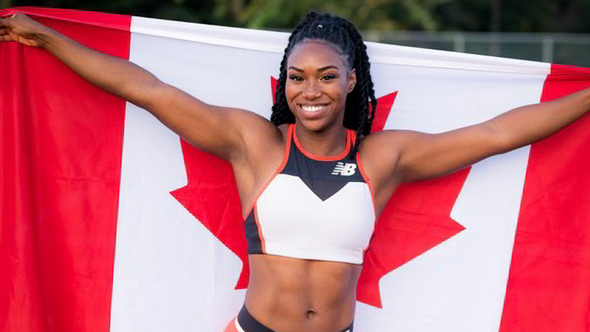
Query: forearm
[[115, 75], [528, 124], [215, 129], [430, 155]]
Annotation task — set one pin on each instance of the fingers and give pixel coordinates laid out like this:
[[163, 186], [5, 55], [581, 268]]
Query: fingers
[[5, 19], [9, 21], [4, 31], [19, 28], [4, 24]]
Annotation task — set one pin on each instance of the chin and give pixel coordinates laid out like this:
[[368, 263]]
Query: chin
[[317, 125]]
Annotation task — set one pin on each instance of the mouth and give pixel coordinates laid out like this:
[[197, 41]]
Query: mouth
[[313, 108]]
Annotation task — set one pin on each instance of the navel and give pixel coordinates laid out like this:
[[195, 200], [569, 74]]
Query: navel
[[310, 314]]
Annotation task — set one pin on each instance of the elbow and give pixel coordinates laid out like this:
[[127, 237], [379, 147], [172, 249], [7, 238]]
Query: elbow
[[147, 94], [499, 140]]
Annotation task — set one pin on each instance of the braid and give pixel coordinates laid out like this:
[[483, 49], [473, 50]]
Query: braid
[[361, 102], [280, 110], [360, 106]]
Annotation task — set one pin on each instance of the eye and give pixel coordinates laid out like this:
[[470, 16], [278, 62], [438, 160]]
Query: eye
[[328, 77], [296, 78]]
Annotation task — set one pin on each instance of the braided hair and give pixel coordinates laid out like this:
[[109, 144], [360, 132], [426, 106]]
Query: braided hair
[[360, 102]]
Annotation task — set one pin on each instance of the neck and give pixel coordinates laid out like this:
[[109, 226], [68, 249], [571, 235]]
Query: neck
[[329, 142]]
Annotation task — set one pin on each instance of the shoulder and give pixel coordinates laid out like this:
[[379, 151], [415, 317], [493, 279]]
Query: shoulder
[[383, 147], [256, 131], [380, 154], [263, 142], [263, 153]]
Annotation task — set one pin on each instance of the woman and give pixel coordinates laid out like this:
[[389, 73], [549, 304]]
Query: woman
[[306, 249]]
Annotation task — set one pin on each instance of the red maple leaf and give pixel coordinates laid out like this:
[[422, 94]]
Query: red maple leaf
[[416, 219]]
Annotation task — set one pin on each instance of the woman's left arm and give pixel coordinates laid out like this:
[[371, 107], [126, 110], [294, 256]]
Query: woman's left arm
[[422, 156]]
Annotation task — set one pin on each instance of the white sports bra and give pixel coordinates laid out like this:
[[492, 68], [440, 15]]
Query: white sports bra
[[312, 207]]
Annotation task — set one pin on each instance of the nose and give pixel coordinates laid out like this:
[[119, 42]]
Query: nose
[[311, 90]]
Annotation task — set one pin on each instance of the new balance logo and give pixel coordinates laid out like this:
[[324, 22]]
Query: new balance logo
[[343, 169]]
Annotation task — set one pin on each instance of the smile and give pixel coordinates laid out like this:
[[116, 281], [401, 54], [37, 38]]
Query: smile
[[313, 108]]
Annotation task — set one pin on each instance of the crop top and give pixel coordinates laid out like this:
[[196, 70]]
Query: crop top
[[318, 208]]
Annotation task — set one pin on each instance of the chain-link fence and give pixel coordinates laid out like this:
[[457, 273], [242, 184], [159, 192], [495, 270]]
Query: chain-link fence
[[568, 49]]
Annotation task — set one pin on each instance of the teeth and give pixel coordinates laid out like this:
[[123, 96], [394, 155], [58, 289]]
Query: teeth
[[312, 109]]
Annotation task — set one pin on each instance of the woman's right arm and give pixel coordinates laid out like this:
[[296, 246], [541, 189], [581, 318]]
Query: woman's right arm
[[218, 130]]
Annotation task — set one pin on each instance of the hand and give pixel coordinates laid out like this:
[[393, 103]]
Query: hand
[[22, 29]]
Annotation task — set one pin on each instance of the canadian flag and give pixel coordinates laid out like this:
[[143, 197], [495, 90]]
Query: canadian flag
[[110, 222]]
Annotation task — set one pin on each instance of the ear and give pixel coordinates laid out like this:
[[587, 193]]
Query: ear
[[351, 80]]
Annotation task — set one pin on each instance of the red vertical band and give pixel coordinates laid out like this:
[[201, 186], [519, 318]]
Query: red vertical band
[[61, 148], [549, 282]]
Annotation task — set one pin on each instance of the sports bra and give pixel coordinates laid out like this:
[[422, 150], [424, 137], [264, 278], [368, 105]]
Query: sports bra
[[318, 208]]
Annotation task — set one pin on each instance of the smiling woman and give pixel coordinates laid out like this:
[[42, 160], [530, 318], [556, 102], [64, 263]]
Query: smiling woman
[[317, 86], [312, 181], [339, 59]]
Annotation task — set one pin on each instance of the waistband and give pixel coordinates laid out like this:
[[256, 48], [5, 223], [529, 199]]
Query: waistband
[[247, 323]]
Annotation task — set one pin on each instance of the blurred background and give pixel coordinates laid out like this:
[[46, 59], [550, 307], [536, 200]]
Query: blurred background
[[541, 30]]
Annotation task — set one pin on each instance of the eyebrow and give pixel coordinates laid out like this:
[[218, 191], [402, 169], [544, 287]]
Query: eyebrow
[[321, 69]]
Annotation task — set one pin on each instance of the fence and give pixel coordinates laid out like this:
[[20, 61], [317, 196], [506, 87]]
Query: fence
[[568, 49]]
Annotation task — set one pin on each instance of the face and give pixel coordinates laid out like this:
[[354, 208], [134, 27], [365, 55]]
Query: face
[[318, 81]]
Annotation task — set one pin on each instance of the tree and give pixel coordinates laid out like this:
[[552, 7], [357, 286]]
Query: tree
[[390, 15]]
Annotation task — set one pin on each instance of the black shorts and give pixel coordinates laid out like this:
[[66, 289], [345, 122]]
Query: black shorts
[[246, 323]]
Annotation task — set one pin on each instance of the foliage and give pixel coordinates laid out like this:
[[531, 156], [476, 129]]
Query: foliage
[[517, 16], [416, 15]]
